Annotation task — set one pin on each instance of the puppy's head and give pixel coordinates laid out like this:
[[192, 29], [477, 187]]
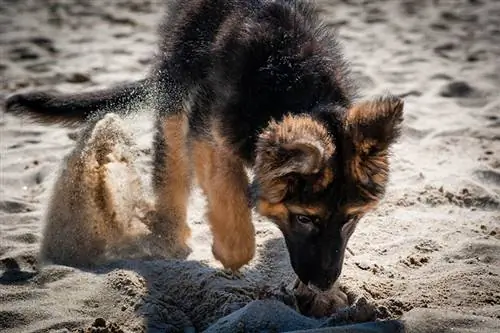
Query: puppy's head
[[315, 184]]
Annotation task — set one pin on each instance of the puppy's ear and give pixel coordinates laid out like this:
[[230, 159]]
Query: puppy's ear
[[371, 127], [297, 146], [375, 123]]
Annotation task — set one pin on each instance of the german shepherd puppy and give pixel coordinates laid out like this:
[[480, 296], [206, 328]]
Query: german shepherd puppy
[[261, 84]]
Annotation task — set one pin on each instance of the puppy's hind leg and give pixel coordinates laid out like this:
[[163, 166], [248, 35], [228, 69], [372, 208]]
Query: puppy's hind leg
[[171, 183], [223, 179]]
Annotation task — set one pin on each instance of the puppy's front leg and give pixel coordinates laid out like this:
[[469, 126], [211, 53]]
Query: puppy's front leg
[[222, 177]]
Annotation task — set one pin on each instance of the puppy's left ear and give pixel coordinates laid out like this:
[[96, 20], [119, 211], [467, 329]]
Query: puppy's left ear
[[375, 124], [293, 149], [371, 127]]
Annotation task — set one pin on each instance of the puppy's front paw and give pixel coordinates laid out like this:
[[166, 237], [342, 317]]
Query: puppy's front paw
[[229, 274], [233, 253]]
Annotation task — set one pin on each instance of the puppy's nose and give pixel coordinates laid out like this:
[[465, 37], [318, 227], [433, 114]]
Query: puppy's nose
[[325, 282], [314, 288]]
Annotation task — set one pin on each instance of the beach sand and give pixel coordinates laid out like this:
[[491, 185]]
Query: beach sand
[[427, 260]]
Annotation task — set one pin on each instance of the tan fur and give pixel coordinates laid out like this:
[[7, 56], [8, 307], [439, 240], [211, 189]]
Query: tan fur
[[325, 178], [366, 112], [98, 209], [374, 169], [360, 210], [173, 192], [298, 144], [307, 147], [278, 212], [224, 181], [318, 211], [373, 126]]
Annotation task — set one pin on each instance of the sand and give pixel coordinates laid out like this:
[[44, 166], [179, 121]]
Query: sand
[[427, 260]]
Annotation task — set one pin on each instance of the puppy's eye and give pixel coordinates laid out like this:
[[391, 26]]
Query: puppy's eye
[[304, 219]]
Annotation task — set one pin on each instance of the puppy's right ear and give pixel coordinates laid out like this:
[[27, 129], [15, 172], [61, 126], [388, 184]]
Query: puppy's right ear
[[297, 146], [371, 128]]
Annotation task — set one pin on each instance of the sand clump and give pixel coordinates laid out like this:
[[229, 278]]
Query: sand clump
[[98, 209], [101, 326]]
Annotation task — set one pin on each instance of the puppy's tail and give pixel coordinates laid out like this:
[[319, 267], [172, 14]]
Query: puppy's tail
[[72, 109]]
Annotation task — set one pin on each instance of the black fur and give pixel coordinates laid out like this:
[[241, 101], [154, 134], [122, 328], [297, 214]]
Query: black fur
[[240, 61], [245, 62], [75, 108]]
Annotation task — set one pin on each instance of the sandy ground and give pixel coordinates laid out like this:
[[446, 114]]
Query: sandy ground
[[429, 256]]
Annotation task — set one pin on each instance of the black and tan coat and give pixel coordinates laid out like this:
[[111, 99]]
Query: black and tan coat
[[260, 84]]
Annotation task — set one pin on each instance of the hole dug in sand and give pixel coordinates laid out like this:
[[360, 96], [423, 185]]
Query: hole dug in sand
[[341, 304]]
